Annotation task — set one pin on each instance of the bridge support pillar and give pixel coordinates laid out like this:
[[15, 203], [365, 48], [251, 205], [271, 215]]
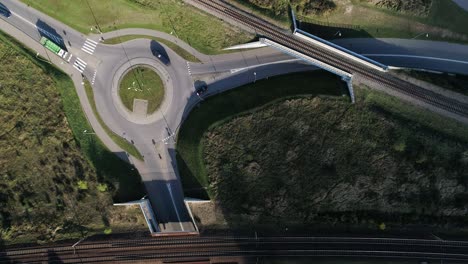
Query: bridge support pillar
[[349, 83]]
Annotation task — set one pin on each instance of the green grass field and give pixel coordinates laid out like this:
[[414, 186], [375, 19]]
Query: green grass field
[[142, 83], [56, 181], [204, 32], [120, 141], [246, 98], [290, 162], [237, 146], [445, 21], [176, 48]]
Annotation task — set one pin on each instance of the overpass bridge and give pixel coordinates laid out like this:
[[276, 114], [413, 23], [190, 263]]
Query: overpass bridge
[[322, 53]]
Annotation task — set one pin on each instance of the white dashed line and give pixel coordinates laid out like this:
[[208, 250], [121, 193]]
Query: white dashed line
[[415, 57], [188, 68], [94, 77], [166, 139], [89, 46]]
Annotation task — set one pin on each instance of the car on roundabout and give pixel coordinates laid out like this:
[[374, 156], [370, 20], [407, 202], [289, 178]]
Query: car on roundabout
[[162, 58], [202, 89]]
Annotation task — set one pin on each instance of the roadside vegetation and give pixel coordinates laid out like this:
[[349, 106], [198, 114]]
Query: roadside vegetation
[[120, 141], [457, 82], [246, 98], [142, 83], [176, 48], [378, 164], [329, 162], [440, 19], [205, 33], [56, 182]]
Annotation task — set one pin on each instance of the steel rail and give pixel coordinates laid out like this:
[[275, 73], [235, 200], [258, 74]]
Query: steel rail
[[276, 34]]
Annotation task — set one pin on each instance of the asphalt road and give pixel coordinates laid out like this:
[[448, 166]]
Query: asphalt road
[[103, 65], [416, 53], [462, 3], [159, 171]]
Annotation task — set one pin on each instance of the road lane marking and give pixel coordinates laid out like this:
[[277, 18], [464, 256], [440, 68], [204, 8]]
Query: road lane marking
[[168, 185], [89, 46], [188, 68], [94, 77], [263, 64], [79, 64], [416, 57], [24, 19]]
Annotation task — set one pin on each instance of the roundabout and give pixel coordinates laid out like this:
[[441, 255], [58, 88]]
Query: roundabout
[[142, 90]]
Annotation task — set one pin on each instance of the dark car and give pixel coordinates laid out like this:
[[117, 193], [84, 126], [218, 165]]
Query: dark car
[[159, 52], [4, 11], [162, 58], [202, 89]]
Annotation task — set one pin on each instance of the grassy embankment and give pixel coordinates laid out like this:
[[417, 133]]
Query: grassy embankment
[[56, 181], [176, 48], [321, 160], [142, 83], [444, 21], [246, 98], [456, 83], [205, 33]]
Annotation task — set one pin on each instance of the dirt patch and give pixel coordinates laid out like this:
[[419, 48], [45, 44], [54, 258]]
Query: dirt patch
[[207, 214]]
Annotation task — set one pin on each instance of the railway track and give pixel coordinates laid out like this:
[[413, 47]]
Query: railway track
[[184, 249], [287, 39]]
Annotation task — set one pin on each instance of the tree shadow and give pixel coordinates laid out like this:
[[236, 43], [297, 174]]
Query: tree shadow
[[330, 31], [111, 169], [191, 185], [45, 30]]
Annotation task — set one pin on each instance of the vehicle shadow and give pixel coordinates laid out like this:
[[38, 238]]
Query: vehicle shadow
[[4, 11], [45, 30]]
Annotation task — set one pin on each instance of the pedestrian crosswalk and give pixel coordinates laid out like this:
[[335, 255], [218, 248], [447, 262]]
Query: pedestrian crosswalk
[[89, 46], [79, 64]]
